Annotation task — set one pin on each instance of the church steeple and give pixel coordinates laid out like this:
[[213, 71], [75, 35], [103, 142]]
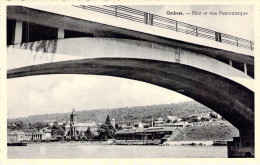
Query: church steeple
[[72, 124], [73, 111], [73, 116]]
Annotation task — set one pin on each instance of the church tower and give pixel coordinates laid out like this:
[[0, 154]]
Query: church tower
[[73, 121]]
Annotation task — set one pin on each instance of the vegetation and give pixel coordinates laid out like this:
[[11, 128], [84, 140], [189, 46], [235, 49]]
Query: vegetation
[[212, 131], [106, 130], [122, 115], [130, 116], [57, 130], [88, 134]]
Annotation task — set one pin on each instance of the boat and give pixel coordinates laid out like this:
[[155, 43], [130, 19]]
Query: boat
[[17, 144]]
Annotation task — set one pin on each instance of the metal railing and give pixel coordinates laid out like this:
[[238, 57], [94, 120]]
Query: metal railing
[[170, 24]]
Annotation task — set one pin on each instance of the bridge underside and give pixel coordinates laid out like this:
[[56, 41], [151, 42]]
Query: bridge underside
[[231, 100]]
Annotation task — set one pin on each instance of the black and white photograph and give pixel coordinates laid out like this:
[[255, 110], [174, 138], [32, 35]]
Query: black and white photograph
[[130, 81]]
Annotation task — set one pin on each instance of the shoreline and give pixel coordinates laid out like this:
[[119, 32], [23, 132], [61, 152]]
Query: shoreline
[[137, 142]]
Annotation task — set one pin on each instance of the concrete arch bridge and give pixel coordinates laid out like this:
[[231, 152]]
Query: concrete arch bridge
[[217, 85]]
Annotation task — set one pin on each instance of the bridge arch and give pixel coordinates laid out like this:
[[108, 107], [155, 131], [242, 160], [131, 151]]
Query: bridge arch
[[231, 100], [47, 51]]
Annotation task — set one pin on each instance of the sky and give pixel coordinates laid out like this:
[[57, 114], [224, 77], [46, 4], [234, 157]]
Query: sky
[[60, 93]]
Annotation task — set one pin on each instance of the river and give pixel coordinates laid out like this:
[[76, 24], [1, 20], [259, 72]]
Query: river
[[85, 150]]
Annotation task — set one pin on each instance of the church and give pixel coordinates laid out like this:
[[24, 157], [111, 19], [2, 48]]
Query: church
[[74, 130]]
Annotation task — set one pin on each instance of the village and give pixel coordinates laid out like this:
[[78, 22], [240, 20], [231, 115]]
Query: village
[[157, 131]]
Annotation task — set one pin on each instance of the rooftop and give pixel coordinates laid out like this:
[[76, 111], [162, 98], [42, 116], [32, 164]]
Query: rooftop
[[16, 132], [151, 129]]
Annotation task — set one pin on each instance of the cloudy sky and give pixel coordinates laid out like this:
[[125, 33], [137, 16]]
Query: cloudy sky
[[60, 93]]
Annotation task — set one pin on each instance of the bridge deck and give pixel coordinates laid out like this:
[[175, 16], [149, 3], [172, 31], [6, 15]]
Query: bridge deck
[[184, 32]]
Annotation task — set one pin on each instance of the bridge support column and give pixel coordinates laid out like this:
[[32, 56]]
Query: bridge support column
[[61, 33], [243, 146], [230, 62], [18, 32], [245, 68]]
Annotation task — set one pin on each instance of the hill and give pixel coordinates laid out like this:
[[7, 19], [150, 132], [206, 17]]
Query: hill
[[208, 132], [124, 114]]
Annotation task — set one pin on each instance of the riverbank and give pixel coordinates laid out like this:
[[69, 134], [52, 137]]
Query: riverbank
[[198, 143], [107, 142], [134, 142], [137, 142]]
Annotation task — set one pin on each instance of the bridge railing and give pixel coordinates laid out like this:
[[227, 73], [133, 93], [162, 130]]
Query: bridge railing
[[167, 23]]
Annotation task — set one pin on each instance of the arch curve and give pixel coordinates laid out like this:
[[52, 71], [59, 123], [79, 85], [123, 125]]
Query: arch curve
[[228, 98]]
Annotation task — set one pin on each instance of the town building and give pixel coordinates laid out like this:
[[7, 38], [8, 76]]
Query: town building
[[194, 118], [28, 136], [146, 125], [178, 124], [42, 135], [77, 130], [123, 127], [81, 128], [48, 123], [171, 119], [16, 136], [37, 136], [138, 125], [153, 133], [159, 122]]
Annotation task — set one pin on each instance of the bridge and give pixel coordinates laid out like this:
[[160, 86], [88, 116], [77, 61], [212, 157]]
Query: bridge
[[213, 68]]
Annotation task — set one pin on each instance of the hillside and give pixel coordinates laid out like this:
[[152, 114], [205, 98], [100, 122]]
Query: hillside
[[211, 131], [126, 114]]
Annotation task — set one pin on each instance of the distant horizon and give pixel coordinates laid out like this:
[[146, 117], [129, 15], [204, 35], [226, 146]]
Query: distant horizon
[[99, 109], [55, 93]]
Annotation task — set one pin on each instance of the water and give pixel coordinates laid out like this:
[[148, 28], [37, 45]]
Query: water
[[84, 150]]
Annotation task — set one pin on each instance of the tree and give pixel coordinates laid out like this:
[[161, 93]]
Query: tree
[[108, 121], [39, 126], [30, 126], [89, 135], [213, 115], [117, 126], [57, 129], [106, 131]]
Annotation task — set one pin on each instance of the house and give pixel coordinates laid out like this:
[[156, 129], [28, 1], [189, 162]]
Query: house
[[28, 136], [46, 134], [42, 135], [180, 119], [37, 136], [16, 136], [194, 118], [48, 123], [179, 124], [138, 125], [123, 127], [159, 122], [146, 125], [171, 119]]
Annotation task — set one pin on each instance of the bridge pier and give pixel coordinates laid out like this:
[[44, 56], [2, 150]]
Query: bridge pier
[[243, 146]]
